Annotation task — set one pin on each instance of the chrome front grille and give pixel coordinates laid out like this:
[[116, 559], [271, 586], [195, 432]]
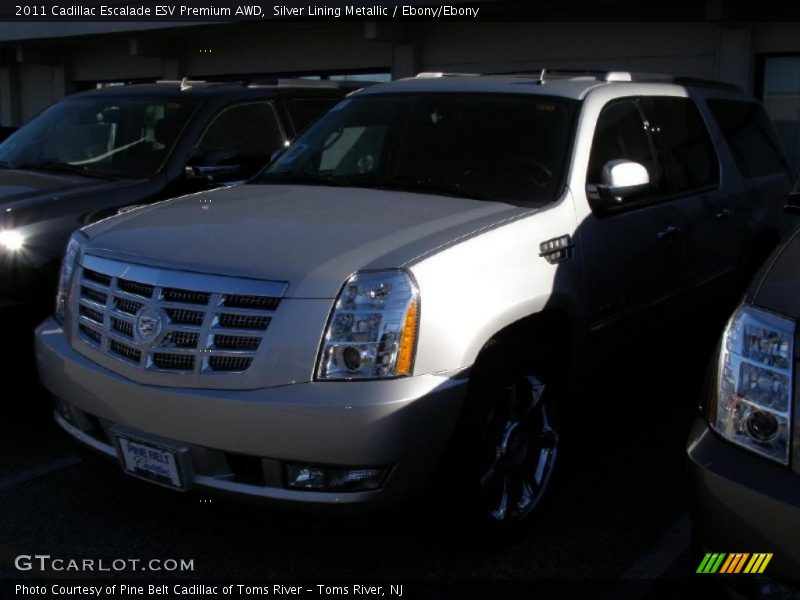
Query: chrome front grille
[[172, 321]]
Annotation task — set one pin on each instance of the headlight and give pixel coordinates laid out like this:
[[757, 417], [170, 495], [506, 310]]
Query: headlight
[[372, 331], [11, 240], [68, 264], [754, 383]]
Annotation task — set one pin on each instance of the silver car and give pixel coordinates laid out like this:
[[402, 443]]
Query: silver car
[[401, 299]]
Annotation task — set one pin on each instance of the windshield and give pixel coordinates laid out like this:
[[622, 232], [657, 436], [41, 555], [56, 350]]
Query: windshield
[[107, 136], [510, 148]]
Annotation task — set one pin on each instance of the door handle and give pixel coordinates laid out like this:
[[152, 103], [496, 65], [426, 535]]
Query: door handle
[[724, 214], [668, 233]]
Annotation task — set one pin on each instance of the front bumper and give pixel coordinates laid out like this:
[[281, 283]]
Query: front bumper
[[402, 424], [744, 503]]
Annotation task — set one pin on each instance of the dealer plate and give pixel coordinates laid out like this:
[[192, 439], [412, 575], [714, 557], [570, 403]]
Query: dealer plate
[[149, 461]]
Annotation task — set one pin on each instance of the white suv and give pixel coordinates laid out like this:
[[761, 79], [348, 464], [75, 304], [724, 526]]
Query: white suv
[[408, 286]]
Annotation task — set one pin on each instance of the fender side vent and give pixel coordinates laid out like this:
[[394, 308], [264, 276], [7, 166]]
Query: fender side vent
[[556, 250]]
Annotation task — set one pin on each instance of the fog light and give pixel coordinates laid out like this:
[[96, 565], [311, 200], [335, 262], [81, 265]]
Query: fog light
[[329, 479], [63, 410]]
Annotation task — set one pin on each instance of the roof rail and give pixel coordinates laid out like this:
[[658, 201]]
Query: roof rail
[[707, 83], [187, 84], [437, 74], [674, 79], [302, 82], [543, 75]]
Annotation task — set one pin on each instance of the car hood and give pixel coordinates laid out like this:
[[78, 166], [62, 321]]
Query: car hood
[[311, 237], [22, 189], [779, 287]]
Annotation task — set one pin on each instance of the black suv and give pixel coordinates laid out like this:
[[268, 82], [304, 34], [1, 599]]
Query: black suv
[[98, 152]]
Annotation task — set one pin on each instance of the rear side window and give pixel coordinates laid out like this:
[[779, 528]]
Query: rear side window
[[750, 136], [686, 151]]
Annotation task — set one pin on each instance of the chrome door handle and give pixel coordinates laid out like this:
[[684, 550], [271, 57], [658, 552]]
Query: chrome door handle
[[669, 232], [724, 214]]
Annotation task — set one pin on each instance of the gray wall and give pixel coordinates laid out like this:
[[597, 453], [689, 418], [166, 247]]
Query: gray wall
[[36, 73]]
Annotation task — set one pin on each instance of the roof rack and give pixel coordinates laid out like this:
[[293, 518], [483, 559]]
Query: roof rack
[[438, 74], [301, 82], [544, 75], [187, 84], [632, 77]]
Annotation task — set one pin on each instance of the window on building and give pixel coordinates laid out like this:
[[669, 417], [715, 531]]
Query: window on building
[[750, 136], [376, 77], [82, 86], [781, 97]]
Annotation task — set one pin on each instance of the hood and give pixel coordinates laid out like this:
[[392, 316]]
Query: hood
[[28, 189], [779, 289], [311, 237]]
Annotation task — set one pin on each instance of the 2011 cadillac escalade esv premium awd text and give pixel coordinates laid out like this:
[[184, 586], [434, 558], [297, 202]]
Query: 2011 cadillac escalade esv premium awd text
[[408, 285]]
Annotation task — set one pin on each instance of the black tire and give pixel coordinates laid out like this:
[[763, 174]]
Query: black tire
[[506, 449]]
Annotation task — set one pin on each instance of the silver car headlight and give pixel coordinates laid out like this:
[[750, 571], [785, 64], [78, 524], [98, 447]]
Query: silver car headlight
[[372, 330], [68, 264], [754, 383]]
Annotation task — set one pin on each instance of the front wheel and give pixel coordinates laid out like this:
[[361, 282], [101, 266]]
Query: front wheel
[[505, 452], [518, 449]]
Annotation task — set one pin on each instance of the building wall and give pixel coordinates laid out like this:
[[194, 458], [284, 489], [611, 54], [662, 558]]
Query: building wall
[[40, 73], [287, 50], [521, 46]]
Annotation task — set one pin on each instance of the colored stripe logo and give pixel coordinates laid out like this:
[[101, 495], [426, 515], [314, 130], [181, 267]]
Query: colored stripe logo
[[736, 562]]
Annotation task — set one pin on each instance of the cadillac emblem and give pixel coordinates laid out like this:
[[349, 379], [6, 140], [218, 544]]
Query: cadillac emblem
[[148, 324]]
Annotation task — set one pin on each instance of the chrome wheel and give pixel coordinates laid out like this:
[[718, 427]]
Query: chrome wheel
[[519, 449]]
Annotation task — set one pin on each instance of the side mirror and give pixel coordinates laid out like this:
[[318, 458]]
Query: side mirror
[[214, 166], [620, 180]]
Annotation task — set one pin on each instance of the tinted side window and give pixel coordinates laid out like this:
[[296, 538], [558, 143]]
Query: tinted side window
[[620, 134], [687, 153], [305, 110], [750, 136], [252, 130]]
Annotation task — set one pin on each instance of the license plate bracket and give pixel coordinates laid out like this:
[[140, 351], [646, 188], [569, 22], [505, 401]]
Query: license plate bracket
[[151, 461]]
